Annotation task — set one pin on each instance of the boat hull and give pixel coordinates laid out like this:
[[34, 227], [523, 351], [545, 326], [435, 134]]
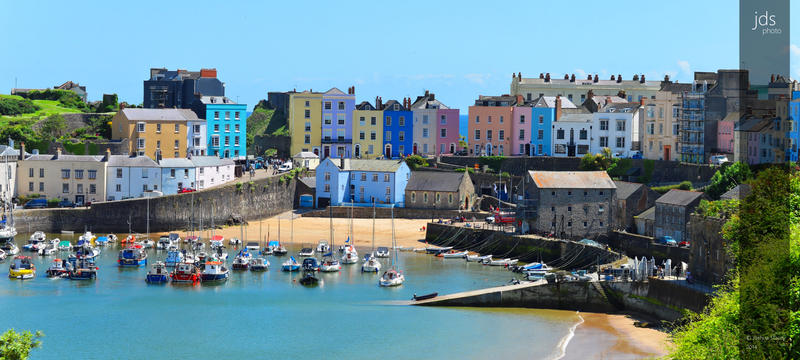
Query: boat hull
[[83, 275], [21, 274], [132, 262], [214, 277], [157, 278], [294, 267]]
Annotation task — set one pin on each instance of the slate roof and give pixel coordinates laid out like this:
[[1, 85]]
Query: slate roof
[[550, 102], [435, 181], [306, 155], [365, 105], [176, 163], [572, 179], [205, 161], [160, 114], [131, 161], [679, 197], [585, 117], [619, 107], [625, 189], [6, 150], [389, 106], [676, 88], [311, 182], [216, 100], [373, 165], [65, 157], [649, 214], [600, 82], [738, 192]]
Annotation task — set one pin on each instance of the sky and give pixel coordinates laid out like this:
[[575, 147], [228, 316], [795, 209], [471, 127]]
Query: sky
[[456, 49]]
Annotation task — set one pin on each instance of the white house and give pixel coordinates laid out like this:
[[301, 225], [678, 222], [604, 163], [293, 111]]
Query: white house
[[212, 171], [572, 134], [8, 172], [306, 159], [616, 126], [131, 177], [196, 137], [176, 174]]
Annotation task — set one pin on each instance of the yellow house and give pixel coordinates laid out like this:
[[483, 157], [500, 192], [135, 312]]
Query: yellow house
[[661, 122], [78, 178], [148, 130], [305, 121], [367, 131]]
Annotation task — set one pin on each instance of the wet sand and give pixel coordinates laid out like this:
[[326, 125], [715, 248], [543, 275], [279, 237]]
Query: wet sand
[[604, 336]]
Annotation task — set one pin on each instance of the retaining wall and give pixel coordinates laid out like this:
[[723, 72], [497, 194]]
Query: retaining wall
[[634, 245], [400, 213]]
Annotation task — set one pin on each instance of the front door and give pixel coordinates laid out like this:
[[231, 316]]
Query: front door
[[358, 151], [571, 150], [388, 151], [527, 149], [414, 149], [80, 199], [666, 152], [452, 148], [327, 152]]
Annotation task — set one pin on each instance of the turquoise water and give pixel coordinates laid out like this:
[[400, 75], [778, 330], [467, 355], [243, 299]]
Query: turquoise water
[[269, 315]]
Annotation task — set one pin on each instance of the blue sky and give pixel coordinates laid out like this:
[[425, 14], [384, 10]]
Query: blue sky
[[456, 49]]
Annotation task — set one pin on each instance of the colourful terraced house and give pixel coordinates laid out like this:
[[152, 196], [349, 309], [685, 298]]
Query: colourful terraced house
[[398, 128], [367, 131], [305, 121], [337, 123]]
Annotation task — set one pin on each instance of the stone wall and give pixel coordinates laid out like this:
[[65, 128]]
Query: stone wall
[[662, 299], [266, 197], [709, 261], [634, 245], [263, 142], [400, 213]]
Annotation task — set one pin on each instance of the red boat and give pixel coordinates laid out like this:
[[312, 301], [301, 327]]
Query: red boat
[[504, 217], [186, 273]]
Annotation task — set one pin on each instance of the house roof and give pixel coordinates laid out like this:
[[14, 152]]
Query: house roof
[[600, 82], [676, 88], [210, 161], [435, 181], [216, 100], [625, 189], [64, 157], [310, 181], [365, 105], [389, 106], [6, 150], [160, 114], [131, 161], [367, 165], [335, 91], [176, 163], [585, 117], [306, 155], [572, 179], [738, 192], [679, 197], [617, 107], [550, 102], [649, 214]]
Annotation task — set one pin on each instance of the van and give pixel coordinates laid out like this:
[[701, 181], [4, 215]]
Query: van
[[38, 203], [718, 159]]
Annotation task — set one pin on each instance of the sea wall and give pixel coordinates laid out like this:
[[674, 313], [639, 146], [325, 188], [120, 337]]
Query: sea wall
[[634, 245], [263, 198], [662, 299], [400, 213]]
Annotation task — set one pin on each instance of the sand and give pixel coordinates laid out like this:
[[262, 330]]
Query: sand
[[604, 336], [310, 230]]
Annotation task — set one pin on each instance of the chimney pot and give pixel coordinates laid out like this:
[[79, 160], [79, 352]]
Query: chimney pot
[[619, 78], [566, 76], [589, 77], [519, 75], [541, 76], [558, 107], [642, 81], [666, 78], [572, 78], [596, 79], [547, 77], [635, 77], [613, 77]]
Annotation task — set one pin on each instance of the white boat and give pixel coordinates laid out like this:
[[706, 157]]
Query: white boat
[[350, 255], [501, 262], [371, 265], [9, 247], [242, 260], [148, 244], [198, 246], [453, 254], [306, 252], [290, 265], [234, 242], [112, 238], [48, 249], [2, 255], [7, 232], [382, 252], [163, 242], [220, 254], [419, 250], [37, 241], [215, 271], [259, 263], [478, 258], [330, 264], [323, 247], [216, 242], [252, 245], [392, 277], [189, 258], [87, 237]]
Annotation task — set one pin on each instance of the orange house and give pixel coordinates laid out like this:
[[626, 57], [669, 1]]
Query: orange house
[[490, 125]]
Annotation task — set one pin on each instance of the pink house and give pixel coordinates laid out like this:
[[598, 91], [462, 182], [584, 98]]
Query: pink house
[[725, 136], [447, 131], [520, 130]]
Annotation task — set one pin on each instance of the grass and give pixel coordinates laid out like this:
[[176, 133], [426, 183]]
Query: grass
[[47, 108]]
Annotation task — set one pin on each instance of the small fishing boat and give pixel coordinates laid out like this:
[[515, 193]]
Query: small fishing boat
[[290, 265], [305, 252], [323, 247], [234, 242], [371, 264], [201, 259], [22, 268], [501, 262], [48, 249], [176, 239], [214, 271], [148, 243], [349, 255], [382, 252], [242, 260], [83, 270], [252, 245], [216, 242], [259, 264], [158, 274], [186, 272], [36, 242], [132, 256], [101, 241], [58, 268], [189, 257], [478, 258], [267, 250], [86, 252], [309, 279], [436, 250], [424, 297], [310, 264], [174, 257], [452, 254], [535, 271], [391, 277], [64, 245], [419, 250], [163, 242], [112, 238]]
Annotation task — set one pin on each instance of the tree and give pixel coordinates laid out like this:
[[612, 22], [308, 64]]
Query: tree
[[17, 346], [53, 126], [415, 161], [599, 161], [271, 152], [727, 178], [462, 142]]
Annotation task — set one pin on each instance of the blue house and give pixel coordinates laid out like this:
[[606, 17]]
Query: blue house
[[176, 174], [543, 113], [398, 129], [340, 181], [226, 126], [793, 133]]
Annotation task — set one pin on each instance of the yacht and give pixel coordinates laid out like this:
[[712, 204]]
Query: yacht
[[371, 264], [382, 252], [252, 245], [305, 252], [259, 264], [290, 265], [323, 247], [349, 255], [36, 242], [163, 242], [392, 277]]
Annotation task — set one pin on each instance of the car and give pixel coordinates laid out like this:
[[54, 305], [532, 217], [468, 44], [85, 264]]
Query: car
[[718, 159], [186, 190], [636, 154], [684, 243], [667, 240], [66, 203], [462, 152], [38, 203], [490, 219], [285, 167]]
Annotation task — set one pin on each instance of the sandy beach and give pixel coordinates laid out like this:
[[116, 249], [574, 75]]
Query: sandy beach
[[605, 336], [310, 230]]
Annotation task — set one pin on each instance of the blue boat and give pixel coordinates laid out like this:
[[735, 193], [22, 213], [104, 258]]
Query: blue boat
[[83, 270], [158, 274], [132, 256], [310, 264], [290, 265], [174, 257], [214, 271], [101, 241]]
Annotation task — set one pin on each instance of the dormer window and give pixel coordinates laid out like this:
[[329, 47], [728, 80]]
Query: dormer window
[[396, 107]]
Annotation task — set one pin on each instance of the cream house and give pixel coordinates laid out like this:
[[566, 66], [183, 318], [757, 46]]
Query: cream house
[[78, 178], [661, 122]]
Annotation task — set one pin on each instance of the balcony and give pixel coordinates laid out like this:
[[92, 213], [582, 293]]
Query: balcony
[[336, 141]]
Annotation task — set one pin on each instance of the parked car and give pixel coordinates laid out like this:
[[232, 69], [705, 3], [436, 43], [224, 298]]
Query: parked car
[[636, 154], [462, 152], [718, 159], [186, 190], [66, 203], [38, 203], [285, 167], [684, 243], [490, 219], [667, 240]]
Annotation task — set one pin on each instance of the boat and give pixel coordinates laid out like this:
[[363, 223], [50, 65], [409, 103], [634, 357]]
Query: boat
[[267, 250], [536, 271], [2, 255], [309, 279], [216, 242], [174, 257], [101, 241], [86, 252], [323, 247], [435, 249], [419, 250], [501, 262], [393, 276], [220, 254], [186, 272], [22, 268], [478, 258], [201, 259], [382, 252], [83, 269], [305, 252], [132, 256], [112, 238], [176, 239], [424, 297], [330, 264], [189, 257], [234, 242], [158, 273], [214, 271], [242, 260], [128, 240], [48, 249], [87, 236], [58, 268], [36, 242], [252, 245], [163, 242], [198, 246], [259, 263], [371, 264], [9, 247], [290, 265], [349, 255], [148, 243], [310, 264], [279, 250], [64, 245], [452, 254]]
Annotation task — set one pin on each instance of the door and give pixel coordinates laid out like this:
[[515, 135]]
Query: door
[[666, 152], [488, 149], [452, 148], [571, 150], [358, 150], [387, 152], [414, 149], [528, 149], [80, 199], [326, 152]]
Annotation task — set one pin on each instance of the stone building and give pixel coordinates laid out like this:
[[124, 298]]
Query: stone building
[[708, 259], [569, 204], [632, 199], [672, 213], [440, 190]]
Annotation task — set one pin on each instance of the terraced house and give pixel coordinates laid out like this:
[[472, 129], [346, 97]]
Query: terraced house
[[490, 125], [226, 127], [78, 178], [337, 122], [398, 128], [151, 130], [367, 131], [343, 180], [305, 122]]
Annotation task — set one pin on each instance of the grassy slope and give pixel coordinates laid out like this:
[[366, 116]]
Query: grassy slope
[[48, 107]]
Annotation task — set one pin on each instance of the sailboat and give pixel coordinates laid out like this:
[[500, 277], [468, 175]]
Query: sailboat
[[392, 277], [349, 253], [291, 264], [279, 249], [371, 263], [329, 262]]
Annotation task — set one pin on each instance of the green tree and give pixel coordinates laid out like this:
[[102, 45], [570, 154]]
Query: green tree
[[18, 346], [599, 161], [271, 152], [727, 178], [462, 142], [415, 161], [53, 126]]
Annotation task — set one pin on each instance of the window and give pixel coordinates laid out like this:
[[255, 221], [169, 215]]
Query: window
[[79, 189], [388, 190], [227, 115], [352, 176], [386, 177], [600, 209], [119, 188], [144, 187], [227, 127], [158, 144], [443, 120], [374, 177], [569, 208], [362, 121], [307, 112], [236, 115], [583, 149], [172, 173], [41, 186], [541, 119], [158, 128], [373, 121], [651, 128], [140, 143], [425, 133], [64, 188], [327, 188], [522, 119], [308, 126], [177, 143], [215, 141], [477, 134], [501, 119], [388, 121], [477, 119], [502, 135], [216, 127], [140, 127], [583, 134], [144, 173], [340, 119], [540, 135], [216, 115], [327, 176], [387, 136], [227, 141], [424, 119], [443, 133], [522, 134], [560, 149], [361, 190], [413, 197], [620, 125], [521, 149], [603, 141], [373, 136], [30, 186], [370, 148], [425, 198], [560, 134], [236, 127], [660, 128], [185, 173], [490, 119], [361, 135], [363, 176], [603, 124], [401, 149], [30, 172], [235, 141], [177, 128], [79, 174], [401, 121], [92, 174], [327, 105], [620, 142], [401, 136], [539, 148], [65, 173]]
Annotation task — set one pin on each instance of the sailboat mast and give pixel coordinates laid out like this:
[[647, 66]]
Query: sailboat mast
[[373, 226], [148, 217], [394, 248], [330, 221]]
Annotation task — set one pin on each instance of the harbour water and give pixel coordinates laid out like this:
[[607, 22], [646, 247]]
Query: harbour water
[[270, 315]]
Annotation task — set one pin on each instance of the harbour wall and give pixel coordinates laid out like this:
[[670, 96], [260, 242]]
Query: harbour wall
[[399, 213], [558, 253], [218, 205], [633, 245]]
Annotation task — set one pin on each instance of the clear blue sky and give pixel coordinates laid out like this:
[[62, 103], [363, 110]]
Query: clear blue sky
[[457, 49]]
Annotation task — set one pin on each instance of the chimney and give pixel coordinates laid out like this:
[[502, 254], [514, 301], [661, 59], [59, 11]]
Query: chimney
[[666, 78], [107, 155], [635, 77], [558, 107], [608, 100], [641, 101], [596, 78], [642, 80], [547, 77], [772, 78], [621, 94], [520, 100], [619, 78], [589, 77], [566, 76], [122, 105], [427, 93], [519, 75], [58, 153], [613, 78], [572, 78], [589, 94], [541, 76], [208, 73], [22, 151]]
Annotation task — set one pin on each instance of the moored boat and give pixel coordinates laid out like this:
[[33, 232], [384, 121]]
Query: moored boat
[[158, 273], [101, 241], [58, 268], [382, 252], [242, 260], [349, 255], [259, 264], [48, 249], [323, 247], [310, 264], [132, 256], [214, 271], [186, 272], [174, 257], [234, 242], [64, 245], [501, 262], [22, 268], [36, 242], [216, 242], [371, 264], [252, 245], [83, 269], [305, 252], [392, 277], [424, 297], [163, 242], [2, 255], [290, 265], [452, 254], [478, 258]]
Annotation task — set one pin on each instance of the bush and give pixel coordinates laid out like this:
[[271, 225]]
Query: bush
[[505, 174], [469, 170], [18, 345], [720, 209], [9, 106], [52, 203], [649, 166], [415, 162], [685, 185], [65, 97], [493, 162]]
